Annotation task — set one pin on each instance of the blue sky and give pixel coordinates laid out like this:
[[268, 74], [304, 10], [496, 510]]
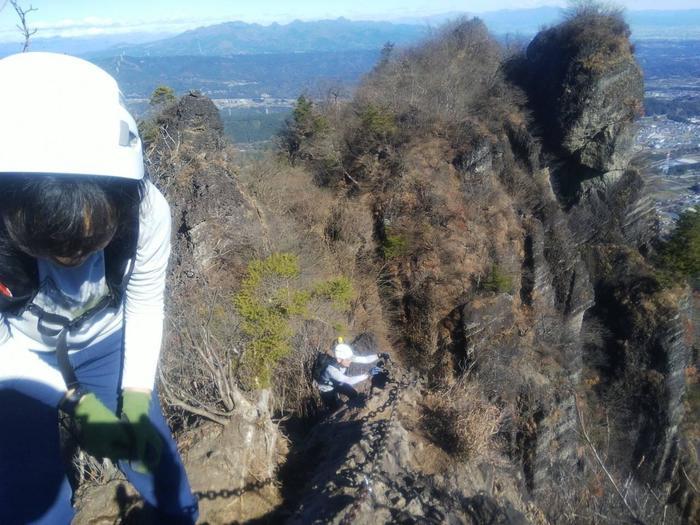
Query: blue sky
[[91, 17]]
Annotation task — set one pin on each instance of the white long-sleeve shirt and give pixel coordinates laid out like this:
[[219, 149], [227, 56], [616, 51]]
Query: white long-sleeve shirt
[[140, 315], [338, 374]]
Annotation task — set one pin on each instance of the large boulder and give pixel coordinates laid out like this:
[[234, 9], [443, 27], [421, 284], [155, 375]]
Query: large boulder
[[586, 88]]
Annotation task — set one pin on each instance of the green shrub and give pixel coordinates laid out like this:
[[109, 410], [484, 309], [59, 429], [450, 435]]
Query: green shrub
[[338, 291], [162, 95], [270, 299], [301, 128], [265, 303], [679, 256], [148, 131], [377, 121], [497, 281], [394, 246]]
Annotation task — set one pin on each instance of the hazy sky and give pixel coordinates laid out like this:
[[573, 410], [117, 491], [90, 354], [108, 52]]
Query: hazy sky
[[85, 17]]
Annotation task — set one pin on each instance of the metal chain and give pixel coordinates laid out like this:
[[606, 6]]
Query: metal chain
[[377, 447], [233, 493], [411, 487]]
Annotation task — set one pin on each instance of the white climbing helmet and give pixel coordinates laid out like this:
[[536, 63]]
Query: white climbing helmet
[[342, 351], [63, 115]]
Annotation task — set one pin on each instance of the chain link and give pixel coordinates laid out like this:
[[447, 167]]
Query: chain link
[[233, 493], [410, 488], [377, 446]]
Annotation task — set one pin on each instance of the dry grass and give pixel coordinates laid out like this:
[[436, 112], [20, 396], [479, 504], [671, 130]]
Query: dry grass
[[462, 422]]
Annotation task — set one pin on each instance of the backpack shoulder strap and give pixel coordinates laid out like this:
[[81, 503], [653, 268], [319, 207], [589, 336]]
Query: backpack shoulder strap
[[122, 250]]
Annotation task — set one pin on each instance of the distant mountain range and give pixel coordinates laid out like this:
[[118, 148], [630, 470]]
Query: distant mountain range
[[234, 38], [82, 45], [237, 38]]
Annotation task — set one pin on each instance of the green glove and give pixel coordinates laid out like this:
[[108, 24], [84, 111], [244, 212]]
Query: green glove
[[148, 442], [100, 432]]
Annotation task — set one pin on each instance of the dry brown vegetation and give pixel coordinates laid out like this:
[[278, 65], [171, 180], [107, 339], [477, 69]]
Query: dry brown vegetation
[[464, 423]]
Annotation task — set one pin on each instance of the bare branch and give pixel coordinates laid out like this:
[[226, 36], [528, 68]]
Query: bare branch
[[689, 480], [176, 401], [22, 26], [602, 465]]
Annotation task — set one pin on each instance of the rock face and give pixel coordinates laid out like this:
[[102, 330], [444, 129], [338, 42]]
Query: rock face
[[383, 447], [586, 89], [233, 467], [507, 246], [217, 227]]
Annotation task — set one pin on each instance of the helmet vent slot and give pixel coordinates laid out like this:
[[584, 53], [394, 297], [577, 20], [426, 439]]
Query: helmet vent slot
[[124, 134]]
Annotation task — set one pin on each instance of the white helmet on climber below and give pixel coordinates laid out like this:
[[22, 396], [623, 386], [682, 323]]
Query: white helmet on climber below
[[63, 115], [342, 351]]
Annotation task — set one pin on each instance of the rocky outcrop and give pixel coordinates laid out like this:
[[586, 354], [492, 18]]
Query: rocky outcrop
[[615, 208], [234, 467], [492, 268], [586, 88], [510, 257], [217, 227], [645, 356]]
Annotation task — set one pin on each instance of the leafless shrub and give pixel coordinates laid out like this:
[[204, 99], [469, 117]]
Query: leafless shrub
[[462, 422], [597, 30], [92, 471], [293, 388], [606, 492], [446, 78], [84, 468], [198, 371], [589, 8]]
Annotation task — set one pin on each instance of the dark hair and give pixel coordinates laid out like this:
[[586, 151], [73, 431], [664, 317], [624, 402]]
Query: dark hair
[[65, 216]]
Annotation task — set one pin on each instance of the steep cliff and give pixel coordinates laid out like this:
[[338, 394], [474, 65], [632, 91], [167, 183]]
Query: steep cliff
[[585, 89], [496, 240], [512, 252]]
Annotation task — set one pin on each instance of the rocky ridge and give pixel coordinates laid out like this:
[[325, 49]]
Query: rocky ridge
[[512, 261]]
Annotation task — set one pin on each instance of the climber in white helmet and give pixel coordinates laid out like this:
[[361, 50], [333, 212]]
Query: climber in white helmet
[[84, 247], [332, 378]]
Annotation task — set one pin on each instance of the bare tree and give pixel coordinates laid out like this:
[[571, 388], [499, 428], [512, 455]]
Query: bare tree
[[22, 26]]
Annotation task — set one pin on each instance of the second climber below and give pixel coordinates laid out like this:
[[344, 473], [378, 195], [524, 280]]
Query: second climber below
[[332, 378]]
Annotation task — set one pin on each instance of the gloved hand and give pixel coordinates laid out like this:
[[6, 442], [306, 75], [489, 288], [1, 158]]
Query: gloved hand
[[375, 371], [148, 444], [384, 356], [100, 432]]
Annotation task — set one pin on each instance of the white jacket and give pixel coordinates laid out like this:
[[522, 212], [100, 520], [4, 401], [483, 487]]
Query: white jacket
[[337, 373], [140, 316]]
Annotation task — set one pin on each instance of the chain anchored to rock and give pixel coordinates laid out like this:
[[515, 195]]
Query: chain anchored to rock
[[233, 493], [377, 447]]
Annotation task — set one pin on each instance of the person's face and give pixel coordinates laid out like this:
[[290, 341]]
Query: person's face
[[70, 262], [345, 362], [78, 259]]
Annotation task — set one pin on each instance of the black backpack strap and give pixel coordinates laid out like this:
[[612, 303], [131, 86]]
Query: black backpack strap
[[326, 362], [67, 326]]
